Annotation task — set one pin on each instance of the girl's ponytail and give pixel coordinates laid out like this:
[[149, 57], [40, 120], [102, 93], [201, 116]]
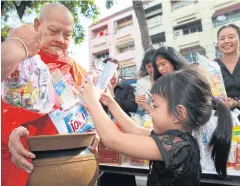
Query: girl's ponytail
[[221, 138]]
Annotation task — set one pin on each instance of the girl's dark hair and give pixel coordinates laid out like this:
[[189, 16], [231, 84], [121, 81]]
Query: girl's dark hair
[[172, 55], [148, 58], [189, 88], [229, 26]]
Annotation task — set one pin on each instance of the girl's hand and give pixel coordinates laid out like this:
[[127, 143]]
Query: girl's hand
[[107, 97], [89, 92], [110, 89]]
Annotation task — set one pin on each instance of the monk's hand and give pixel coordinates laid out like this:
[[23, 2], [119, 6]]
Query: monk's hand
[[18, 152], [94, 146]]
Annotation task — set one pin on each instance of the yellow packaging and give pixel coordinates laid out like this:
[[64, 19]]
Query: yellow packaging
[[236, 131]]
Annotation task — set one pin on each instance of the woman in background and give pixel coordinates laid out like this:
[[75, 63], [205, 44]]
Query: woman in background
[[167, 59], [143, 94], [229, 42]]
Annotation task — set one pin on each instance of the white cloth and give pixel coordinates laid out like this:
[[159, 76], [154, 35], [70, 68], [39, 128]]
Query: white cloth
[[143, 87]]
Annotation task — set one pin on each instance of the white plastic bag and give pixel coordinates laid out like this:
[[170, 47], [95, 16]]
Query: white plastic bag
[[30, 86], [204, 135]]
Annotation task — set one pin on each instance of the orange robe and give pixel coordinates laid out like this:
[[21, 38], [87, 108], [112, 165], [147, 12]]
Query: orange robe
[[37, 124]]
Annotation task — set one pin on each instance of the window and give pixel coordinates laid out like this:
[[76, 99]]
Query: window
[[124, 23], [103, 55], [199, 28], [185, 31], [154, 20], [128, 71], [190, 54], [180, 4], [192, 29], [234, 16], [127, 48]]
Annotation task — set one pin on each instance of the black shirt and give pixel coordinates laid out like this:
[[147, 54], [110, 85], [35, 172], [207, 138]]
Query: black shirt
[[125, 97], [181, 160], [231, 81]]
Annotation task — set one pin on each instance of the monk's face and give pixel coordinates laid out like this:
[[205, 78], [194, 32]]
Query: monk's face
[[55, 32]]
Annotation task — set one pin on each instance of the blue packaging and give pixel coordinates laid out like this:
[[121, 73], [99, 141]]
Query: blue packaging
[[78, 120]]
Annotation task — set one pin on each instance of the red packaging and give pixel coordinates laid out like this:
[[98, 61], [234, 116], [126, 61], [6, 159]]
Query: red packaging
[[137, 161], [108, 158]]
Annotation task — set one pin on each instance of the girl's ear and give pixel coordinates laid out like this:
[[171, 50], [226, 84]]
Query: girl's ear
[[181, 114]]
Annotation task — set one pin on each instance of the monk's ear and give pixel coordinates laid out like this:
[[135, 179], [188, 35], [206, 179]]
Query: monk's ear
[[36, 24]]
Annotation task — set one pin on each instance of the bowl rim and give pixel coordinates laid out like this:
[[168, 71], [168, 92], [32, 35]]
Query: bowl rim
[[61, 135]]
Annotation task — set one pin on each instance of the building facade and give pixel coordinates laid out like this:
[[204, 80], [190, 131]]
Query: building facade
[[188, 26]]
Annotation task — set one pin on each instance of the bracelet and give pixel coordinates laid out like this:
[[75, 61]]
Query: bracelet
[[25, 47]]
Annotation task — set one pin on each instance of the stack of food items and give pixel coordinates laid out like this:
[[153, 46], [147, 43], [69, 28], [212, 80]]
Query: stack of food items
[[73, 117], [30, 86], [234, 155]]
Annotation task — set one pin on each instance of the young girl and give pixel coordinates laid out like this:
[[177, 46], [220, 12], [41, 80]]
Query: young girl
[[182, 101]]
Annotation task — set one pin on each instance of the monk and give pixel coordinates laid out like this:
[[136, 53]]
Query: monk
[[55, 27]]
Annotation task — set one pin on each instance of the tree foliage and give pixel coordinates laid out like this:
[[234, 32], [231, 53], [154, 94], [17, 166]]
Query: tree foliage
[[77, 7]]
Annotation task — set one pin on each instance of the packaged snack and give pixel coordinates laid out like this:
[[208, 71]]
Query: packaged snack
[[212, 71], [57, 119], [77, 120], [236, 131], [137, 161], [95, 71], [30, 86], [147, 121], [74, 120], [232, 154], [237, 166], [63, 91], [106, 75]]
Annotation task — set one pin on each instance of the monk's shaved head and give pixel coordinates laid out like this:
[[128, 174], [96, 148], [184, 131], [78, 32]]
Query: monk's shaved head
[[55, 9], [55, 26]]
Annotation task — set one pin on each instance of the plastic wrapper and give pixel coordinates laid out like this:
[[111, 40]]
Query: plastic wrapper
[[74, 120], [213, 72], [204, 135], [142, 119], [30, 86], [64, 91], [95, 71]]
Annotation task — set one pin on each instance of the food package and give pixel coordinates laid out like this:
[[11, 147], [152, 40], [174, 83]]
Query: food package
[[213, 72], [95, 71], [64, 91], [237, 166], [30, 86], [74, 120]]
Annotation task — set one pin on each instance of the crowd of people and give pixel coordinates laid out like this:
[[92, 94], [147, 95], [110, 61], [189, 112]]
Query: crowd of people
[[175, 94]]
